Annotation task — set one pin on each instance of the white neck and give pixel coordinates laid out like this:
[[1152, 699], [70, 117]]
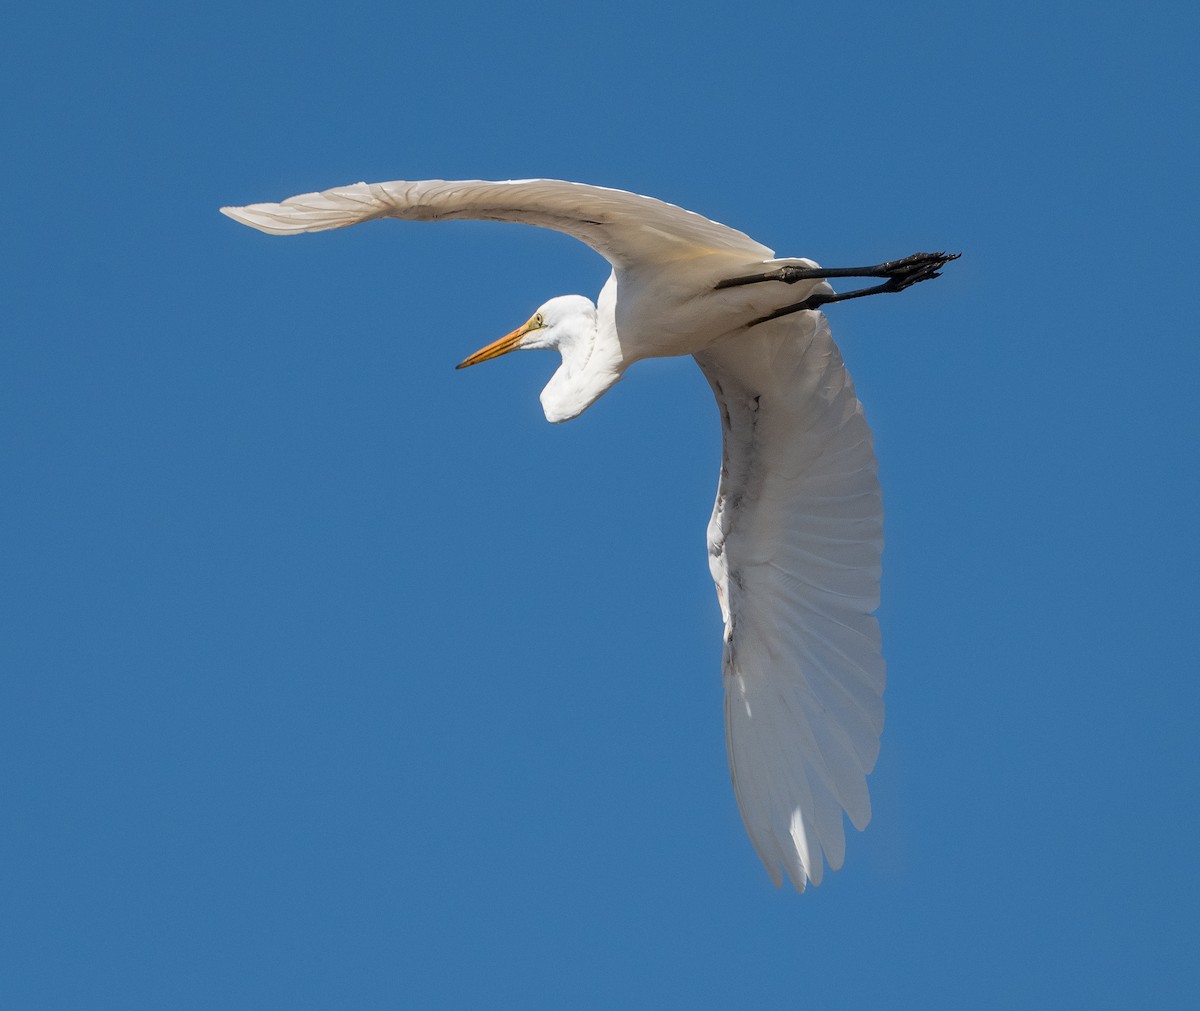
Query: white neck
[[576, 386], [591, 363]]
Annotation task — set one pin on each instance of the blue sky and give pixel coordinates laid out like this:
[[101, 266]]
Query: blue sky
[[333, 677]]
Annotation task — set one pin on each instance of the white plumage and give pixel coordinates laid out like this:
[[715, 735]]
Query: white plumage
[[796, 532], [794, 546]]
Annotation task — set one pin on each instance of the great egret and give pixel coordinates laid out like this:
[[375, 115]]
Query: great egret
[[796, 534]]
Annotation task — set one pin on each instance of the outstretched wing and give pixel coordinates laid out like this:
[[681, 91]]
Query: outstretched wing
[[625, 228], [794, 546]]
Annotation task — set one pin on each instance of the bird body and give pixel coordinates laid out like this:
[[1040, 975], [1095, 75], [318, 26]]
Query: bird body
[[796, 533]]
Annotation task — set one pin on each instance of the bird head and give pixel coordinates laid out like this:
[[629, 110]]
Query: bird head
[[566, 324]]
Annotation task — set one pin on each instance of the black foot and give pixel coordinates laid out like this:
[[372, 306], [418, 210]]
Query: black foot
[[902, 274]]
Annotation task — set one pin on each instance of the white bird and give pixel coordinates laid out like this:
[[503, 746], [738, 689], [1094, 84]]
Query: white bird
[[796, 534]]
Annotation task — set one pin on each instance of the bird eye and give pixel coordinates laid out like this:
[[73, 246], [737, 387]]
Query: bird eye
[[539, 319]]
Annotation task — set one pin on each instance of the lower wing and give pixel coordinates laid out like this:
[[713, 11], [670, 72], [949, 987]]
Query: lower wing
[[794, 546]]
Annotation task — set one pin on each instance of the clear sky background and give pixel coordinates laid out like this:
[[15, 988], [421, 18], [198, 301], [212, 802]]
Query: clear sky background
[[333, 677]]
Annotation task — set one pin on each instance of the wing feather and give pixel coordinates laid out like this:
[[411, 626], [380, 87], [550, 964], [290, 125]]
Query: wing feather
[[794, 544], [626, 228]]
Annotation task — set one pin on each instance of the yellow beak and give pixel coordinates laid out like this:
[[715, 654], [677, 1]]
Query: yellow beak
[[503, 346]]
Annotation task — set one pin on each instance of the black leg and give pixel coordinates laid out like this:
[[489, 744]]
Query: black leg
[[816, 301], [910, 270], [900, 274]]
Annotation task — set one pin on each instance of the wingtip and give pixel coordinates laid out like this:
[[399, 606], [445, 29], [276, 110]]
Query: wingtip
[[264, 218], [240, 215]]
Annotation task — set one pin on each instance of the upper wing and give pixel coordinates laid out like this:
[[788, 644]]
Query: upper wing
[[625, 228], [794, 545]]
